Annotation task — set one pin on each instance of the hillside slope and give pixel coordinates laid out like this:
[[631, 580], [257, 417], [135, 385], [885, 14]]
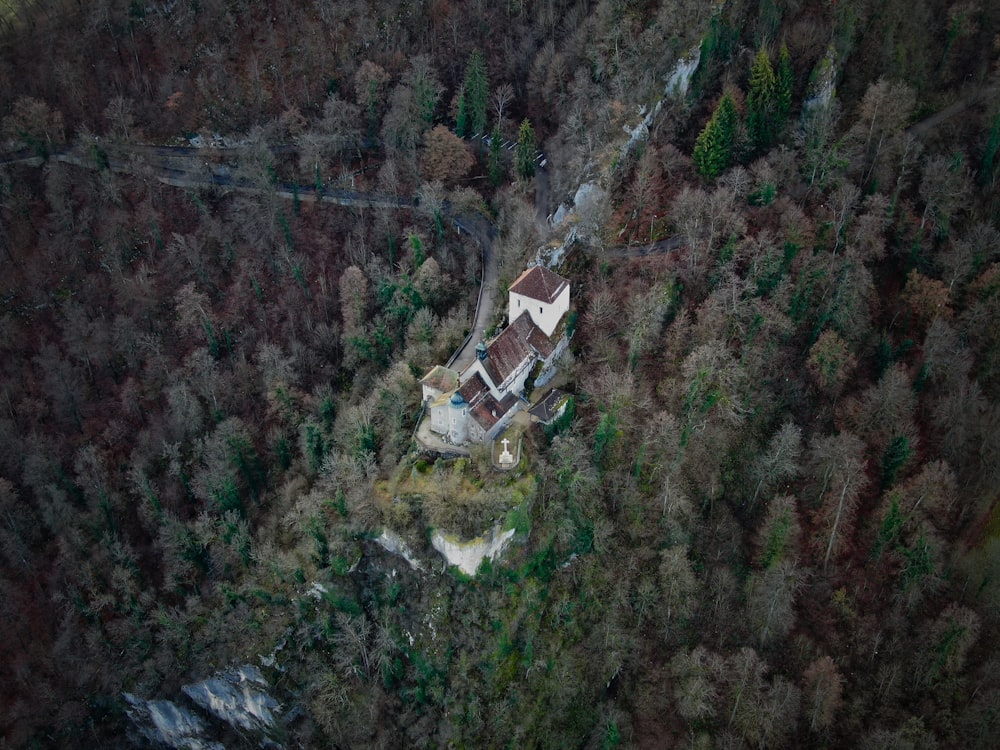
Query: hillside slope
[[770, 518]]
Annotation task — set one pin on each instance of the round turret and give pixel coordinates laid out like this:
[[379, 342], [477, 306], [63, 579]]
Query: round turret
[[458, 428]]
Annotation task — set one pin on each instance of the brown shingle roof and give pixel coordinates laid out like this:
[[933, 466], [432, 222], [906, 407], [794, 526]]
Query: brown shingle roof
[[489, 411], [509, 349], [539, 283], [540, 342], [473, 389]]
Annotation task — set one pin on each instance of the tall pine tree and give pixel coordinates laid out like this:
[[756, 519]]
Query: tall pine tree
[[496, 169], [525, 154], [713, 149], [423, 82], [475, 93], [786, 79], [762, 103]]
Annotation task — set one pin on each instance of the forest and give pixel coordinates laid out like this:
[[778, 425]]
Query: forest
[[231, 235]]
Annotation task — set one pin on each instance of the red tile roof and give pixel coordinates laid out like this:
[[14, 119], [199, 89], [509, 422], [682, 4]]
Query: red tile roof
[[539, 341], [539, 283]]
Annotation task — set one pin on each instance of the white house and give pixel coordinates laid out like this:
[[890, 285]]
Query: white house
[[478, 403], [543, 294]]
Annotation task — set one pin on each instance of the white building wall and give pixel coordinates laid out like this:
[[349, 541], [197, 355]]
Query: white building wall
[[549, 368], [439, 419], [458, 428], [545, 316], [502, 423], [515, 382]]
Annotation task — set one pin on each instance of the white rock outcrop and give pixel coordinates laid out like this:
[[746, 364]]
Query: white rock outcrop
[[680, 77], [467, 556], [393, 543]]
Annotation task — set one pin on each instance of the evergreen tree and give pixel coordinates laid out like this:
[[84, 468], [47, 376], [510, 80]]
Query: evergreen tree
[[989, 161], [525, 155], [786, 79], [713, 149], [762, 103], [425, 87], [475, 93], [496, 156]]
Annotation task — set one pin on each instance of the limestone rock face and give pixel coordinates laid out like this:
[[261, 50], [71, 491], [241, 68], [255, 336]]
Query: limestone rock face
[[467, 555], [238, 696], [162, 722], [680, 77], [393, 543]]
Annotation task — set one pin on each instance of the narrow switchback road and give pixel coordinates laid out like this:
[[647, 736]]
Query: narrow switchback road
[[484, 233], [165, 164], [674, 242]]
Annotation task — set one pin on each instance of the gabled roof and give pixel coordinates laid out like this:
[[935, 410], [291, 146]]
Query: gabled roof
[[440, 378], [489, 411], [548, 408], [539, 341], [539, 283], [473, 389], [511, 348]]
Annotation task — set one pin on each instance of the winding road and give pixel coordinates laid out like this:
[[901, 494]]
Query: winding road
[[186, 167], [484, 232]]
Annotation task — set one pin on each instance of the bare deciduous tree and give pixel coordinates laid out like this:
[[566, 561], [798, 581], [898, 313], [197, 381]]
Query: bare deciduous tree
[[777, 537], [502, 96], [695, 674], [445, 157], [705, 220], [678, 586], [779, 462], [837, 468], [945, 186], [771, 600], [878, 135], [883, 411], [823, 692]]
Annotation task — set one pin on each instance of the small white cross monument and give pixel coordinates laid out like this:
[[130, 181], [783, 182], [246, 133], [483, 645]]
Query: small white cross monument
[[506, 458]]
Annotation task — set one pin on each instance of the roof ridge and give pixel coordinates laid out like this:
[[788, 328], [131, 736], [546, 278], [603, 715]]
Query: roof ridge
[[539, 282]]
